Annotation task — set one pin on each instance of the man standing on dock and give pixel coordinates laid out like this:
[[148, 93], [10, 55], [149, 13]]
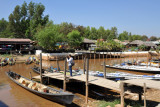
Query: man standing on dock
[[70, 63]]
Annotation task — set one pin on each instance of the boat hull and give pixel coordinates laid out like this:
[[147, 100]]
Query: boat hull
[[62, 98], [136, 70]]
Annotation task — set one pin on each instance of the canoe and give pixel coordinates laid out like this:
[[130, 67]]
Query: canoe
[[35, 60], [11, 61], [37, 70], [29, 61], [143, 69], [4, 62], [41, 90]]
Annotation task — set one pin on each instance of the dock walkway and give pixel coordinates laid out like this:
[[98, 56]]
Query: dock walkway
[[106, 83]]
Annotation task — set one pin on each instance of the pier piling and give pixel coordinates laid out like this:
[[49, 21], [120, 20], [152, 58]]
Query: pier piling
[[64, 81], [87, 81], [41, 79]]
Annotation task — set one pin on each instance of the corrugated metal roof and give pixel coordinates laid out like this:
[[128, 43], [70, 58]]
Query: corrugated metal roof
[[14, 40], [88, 41]]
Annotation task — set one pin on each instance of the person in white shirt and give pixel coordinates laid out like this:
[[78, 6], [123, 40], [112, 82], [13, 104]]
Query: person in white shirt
[[70, 60]]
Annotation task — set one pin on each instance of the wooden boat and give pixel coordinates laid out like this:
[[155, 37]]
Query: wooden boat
[[29, 61], [136, 68], [12, 61], [41, 90], [4, 62], [37, 70], [35, 60]]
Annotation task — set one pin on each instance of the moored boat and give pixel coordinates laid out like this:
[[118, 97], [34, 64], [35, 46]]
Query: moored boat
[[35, 60], [12, 61], [136, 68], [29, 61], [41, 90], [4, 62]]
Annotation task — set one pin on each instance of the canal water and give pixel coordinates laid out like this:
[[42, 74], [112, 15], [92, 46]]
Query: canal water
[[14, 96]]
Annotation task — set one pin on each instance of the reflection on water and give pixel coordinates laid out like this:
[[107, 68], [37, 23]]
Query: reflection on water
[[19, 97]]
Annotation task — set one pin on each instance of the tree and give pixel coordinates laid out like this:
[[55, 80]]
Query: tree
[[93, 33], [153, 38], [74, 38], [113, 33], [24, 20], [123, 36], [3, 27], [49, 36], [144, 38]]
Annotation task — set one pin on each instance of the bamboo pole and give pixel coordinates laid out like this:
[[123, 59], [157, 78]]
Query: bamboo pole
[[84, 65], [144, 88], [87, 81], [122, 94], [64, 81], [104, 69], [41, 79]]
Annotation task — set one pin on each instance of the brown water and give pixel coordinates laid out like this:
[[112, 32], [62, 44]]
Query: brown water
[[14, 96]]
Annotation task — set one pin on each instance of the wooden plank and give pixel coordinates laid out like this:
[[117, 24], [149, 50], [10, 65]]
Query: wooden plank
[[122, 94], [140, 82]]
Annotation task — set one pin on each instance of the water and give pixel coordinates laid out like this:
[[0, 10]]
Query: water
[[15, 96]]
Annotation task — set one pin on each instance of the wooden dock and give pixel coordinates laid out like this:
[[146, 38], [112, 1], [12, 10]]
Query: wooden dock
[[106, 83]]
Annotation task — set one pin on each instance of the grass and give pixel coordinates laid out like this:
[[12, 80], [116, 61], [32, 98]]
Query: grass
[[117, 101], [107, 103]]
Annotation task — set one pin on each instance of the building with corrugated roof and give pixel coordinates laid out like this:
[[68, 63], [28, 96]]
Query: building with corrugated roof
[[8, 45]]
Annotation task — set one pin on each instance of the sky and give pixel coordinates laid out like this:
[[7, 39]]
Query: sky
[[136, 16]]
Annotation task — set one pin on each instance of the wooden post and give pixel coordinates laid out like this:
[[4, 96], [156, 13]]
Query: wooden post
[[41, 79], [30, 75], [57, 65], [64, 81], [87, 81], [104, 69], [82, 56], [78, 57], [103, 55], [147, 59], [122, 94], [94, 55], [110, 55], [144, 88], [84, 65], [90, 55], [99, 55]]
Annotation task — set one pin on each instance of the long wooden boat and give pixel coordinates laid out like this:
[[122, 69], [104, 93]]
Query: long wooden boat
[[4, 62], [143, 69], [12, 61], [35, 60], [29, 61], [41, 90], [37, 70]]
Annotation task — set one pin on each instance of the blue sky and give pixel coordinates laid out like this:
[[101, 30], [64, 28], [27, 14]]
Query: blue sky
[[135, 16]]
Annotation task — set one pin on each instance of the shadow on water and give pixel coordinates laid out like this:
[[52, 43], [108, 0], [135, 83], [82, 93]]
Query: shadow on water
[[2, 104]]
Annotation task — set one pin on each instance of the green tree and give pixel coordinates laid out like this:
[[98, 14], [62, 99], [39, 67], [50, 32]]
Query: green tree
[[74, 39], [123, 36], [87, 32], [144, 38], [49, 36], [113, 33], [153, 38], [93, 33], [25, 19]]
